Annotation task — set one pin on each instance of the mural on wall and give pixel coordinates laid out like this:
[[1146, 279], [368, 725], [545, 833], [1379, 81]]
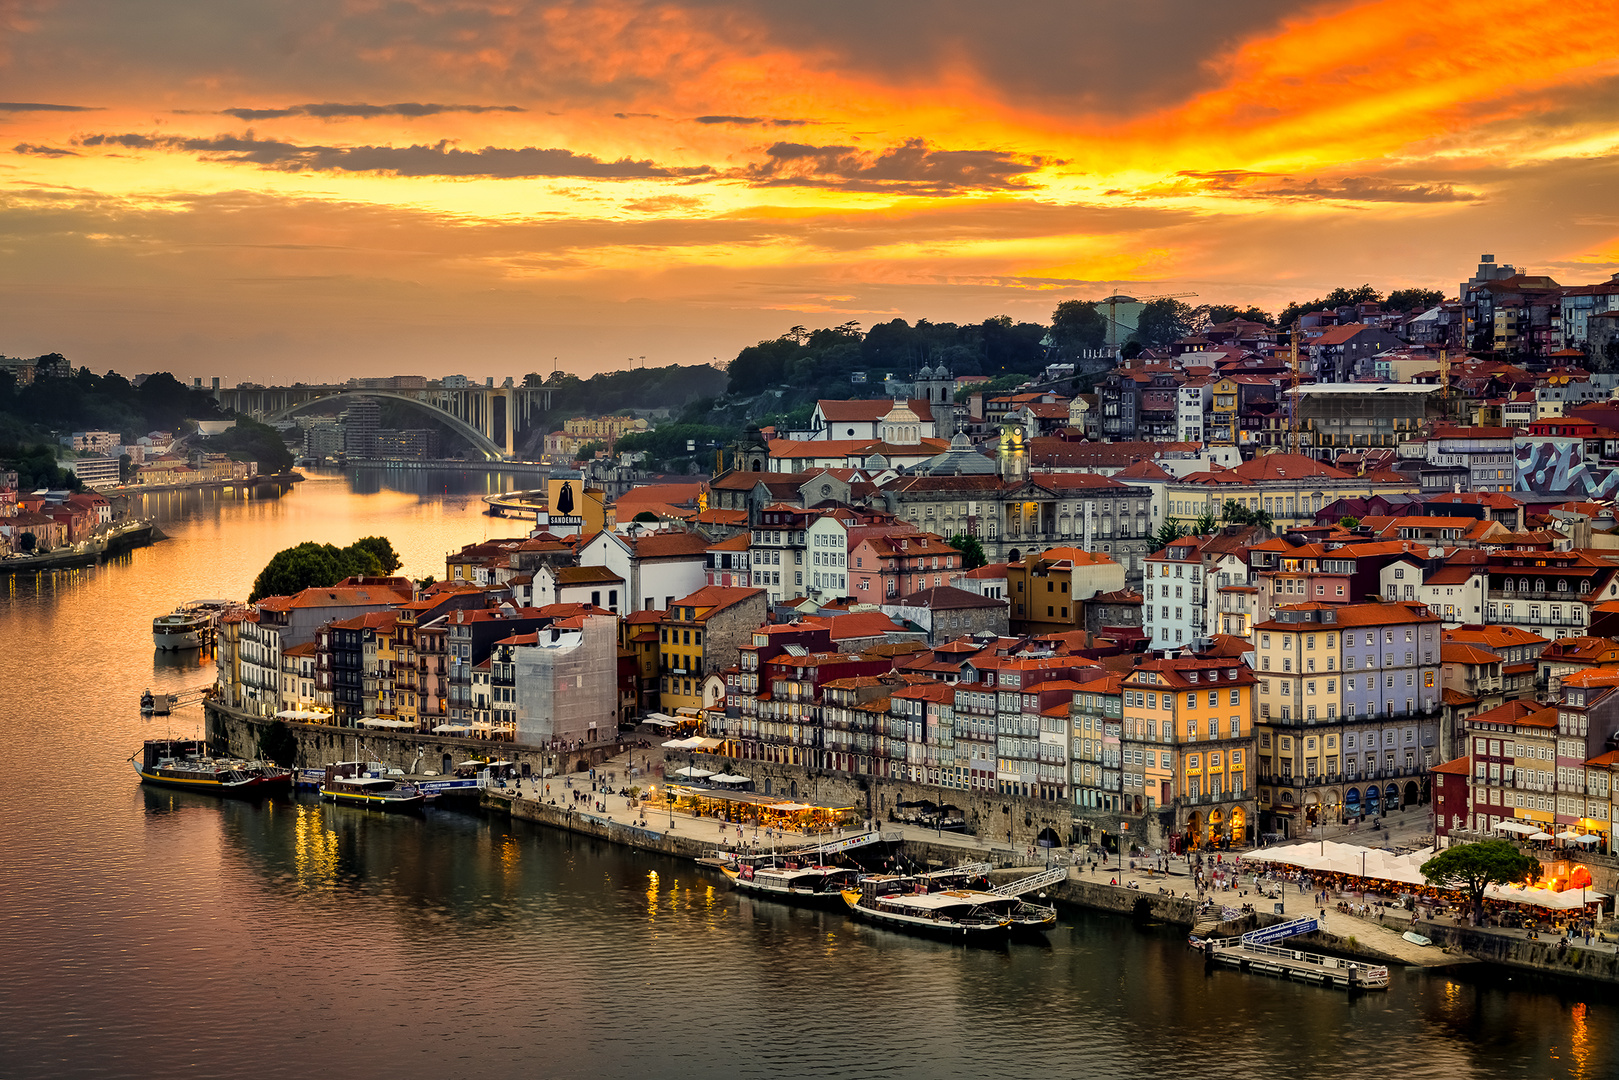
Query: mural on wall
[[1549, 466]]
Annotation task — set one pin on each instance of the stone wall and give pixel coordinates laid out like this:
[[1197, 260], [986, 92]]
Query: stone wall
[[1542, 955], [237, 733]]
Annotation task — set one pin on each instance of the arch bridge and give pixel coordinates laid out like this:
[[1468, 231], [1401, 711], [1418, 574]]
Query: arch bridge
[[489, 417]]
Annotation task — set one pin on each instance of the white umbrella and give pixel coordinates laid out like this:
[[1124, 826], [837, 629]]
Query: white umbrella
[[1568, 834], [1587, 838], [1540, 836]]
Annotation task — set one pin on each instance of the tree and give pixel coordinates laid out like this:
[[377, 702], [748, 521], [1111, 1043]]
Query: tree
[[1219, 313], [587, 450], [1076, 325], [1236, 513], [27, 542], [250, 440], [310, 565], [1471, 868], [646, 516], [1347, 522], [380, 549], [126, 469], [1205, 524], [972, 552], [1169, 532], [1162, 322], [426, 583], [1413, 299]]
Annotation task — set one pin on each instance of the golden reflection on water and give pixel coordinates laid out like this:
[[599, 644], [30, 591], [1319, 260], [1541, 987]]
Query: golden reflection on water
[[651, 896], [1580, 1042], [314, 848]]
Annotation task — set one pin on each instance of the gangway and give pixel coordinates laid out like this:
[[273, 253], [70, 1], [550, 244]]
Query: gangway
[[833, 847], [1266, 935], [966, 870], [1032, 882]]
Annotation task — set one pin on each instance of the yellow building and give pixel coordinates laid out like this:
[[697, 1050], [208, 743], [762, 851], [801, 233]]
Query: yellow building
[[704, 633], [1292, 488], [1223, 429], [1188, 748]]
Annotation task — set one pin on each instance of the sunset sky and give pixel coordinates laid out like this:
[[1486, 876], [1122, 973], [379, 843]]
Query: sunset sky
[[308, 189]]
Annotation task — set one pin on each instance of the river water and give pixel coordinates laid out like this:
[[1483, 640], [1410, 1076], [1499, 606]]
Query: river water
[[159, 934]]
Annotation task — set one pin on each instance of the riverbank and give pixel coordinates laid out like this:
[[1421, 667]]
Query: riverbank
[[1147, 896], [115, 541], [279, 479]]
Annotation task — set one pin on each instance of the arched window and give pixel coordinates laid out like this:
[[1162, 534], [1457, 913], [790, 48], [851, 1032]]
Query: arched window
[[1562, 586], [1506, 586], [1540, 584], [1523, 584]]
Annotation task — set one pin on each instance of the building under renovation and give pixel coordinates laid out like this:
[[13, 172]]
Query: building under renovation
[[1333, 417], [567, 681]]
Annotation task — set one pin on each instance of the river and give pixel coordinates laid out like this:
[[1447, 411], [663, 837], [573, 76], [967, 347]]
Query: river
[[159, 934]]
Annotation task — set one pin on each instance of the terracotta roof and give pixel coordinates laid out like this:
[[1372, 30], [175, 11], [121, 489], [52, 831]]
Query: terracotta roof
[[870, 411], [1452, 653], [949, 598], [1462, 766], [669, 545], [716, 597], [585, 575], [1354, 615]]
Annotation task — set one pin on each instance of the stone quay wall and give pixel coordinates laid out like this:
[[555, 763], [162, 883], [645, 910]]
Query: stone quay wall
[[1541, 955], [237, 733]]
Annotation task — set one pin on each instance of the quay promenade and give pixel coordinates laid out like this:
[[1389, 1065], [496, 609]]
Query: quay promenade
[[1090, 884]]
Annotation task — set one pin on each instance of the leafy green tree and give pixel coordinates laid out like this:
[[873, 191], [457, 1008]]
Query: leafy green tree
[[36, 468], [1348, 522], [1169, 532], [1236, 513], [1472, 868], [972, 552], [1413, 299], [646, 516], [587, 450], [250, 440], [1219, 313], [1131, 350], [27, 542], [1162, 322], [1205, 524], [311, 565], [1076, 325], [126, 469], [427, 582], [380, 549]]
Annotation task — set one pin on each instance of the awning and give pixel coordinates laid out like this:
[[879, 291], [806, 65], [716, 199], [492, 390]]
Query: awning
[[729, 778], [709, 744], [789, 807], [382, 721], [443, 728], [692, 772], [1568, 834], [660, 720], [682, 744], [1540, 836], [1516, 827], [1587, 838]]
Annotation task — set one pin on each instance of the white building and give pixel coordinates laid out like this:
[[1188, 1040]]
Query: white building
[[566, 681], [1192, 407], [1174, 600], [655, 567], [1455, 591]]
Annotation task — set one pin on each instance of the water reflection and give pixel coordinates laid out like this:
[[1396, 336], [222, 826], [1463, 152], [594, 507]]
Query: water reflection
[[156, 933]]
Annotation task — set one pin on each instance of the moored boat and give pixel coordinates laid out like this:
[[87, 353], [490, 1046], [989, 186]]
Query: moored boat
[[184, 763], [347, 785], [961, 915], [814, 885], [189, 626]]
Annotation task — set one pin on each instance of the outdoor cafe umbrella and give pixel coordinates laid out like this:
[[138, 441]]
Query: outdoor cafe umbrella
[[1540, 836]]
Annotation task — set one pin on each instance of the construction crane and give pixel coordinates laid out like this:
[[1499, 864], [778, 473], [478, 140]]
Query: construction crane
[[1113, 302], [1293, 390]]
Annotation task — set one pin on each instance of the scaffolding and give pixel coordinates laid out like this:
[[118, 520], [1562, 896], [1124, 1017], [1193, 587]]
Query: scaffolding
[[567, 683]]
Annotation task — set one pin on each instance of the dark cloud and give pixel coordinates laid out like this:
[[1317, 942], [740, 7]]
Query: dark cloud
[[332, 111], [440, 159], [1243, 184], [912, 167], [750, 121], [42, 151], [40, 106]]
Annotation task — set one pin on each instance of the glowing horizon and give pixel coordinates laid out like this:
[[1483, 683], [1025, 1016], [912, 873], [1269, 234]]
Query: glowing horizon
[[461, 186]]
